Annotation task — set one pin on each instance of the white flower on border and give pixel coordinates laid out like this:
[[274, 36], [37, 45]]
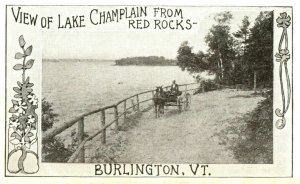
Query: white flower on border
[[30, 119], [20, 107], [32, 99], [13, 123]]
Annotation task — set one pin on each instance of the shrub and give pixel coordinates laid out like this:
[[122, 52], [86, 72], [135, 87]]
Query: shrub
[[209, 85], [53, 150], [48, 116]]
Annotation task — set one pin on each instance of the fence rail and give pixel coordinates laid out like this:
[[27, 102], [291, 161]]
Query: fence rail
[[79, 154]]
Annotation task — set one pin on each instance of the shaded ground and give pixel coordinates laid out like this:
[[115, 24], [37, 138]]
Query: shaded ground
[[253, 142], [200, 135]]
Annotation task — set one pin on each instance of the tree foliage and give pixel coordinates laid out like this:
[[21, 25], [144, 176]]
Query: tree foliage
[[187, 60], [259, 51], [234, 57], [242, 35], [220, 43]]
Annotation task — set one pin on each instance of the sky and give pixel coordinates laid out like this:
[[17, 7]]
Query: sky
[[121, 43]]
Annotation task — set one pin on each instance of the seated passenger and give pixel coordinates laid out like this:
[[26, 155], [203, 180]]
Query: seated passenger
[[175, 89]]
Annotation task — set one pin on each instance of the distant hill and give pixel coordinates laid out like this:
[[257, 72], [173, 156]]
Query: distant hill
[[148, 61]]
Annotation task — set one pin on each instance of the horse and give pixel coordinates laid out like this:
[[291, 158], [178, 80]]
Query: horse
[[159, 101]]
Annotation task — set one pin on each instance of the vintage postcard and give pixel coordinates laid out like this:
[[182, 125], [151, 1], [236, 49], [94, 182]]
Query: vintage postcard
[[149, 91]]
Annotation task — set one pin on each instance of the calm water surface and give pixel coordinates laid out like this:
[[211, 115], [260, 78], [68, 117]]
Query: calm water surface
[[78, 87]]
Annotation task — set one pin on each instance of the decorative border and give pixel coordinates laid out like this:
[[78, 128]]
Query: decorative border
[[283, 56], [22, 129]]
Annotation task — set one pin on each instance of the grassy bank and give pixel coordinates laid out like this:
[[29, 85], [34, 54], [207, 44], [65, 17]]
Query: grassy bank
[[250, 137]]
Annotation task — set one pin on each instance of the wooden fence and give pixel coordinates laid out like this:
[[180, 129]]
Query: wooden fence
[[79, 154]]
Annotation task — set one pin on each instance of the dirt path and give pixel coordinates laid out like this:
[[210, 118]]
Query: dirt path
[[191, 136]]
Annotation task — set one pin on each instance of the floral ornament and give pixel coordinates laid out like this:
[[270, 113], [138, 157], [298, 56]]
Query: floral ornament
[[30, 119], [20, 107], [14, 122], [284, 20], [22, 123], [19, 141], [32, 99], [282, 56]]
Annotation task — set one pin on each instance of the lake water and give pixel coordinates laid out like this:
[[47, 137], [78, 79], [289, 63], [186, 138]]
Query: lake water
[[78, 87]]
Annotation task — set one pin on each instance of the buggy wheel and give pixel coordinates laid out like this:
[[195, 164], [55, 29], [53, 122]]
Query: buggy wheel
[[179, 104], [188, 100], [156, 111]]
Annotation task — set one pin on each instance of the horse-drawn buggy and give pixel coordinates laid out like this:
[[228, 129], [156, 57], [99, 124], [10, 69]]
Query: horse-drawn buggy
[[163, 98]]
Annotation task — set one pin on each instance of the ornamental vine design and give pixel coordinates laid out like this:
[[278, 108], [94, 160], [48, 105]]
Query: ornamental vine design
[[282, 56], [22, 132]]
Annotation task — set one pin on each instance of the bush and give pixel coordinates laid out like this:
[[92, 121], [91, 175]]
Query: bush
[[209, 85], [53, 150], [205, 84], [48, 116]]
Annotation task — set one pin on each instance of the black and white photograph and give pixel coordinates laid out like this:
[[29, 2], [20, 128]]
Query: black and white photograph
[[149, 91], [204, 96]]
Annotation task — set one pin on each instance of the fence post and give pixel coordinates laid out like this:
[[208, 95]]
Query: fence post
[[137, 102], [116, 118], [254, 85], [153, 100], [133, 105], [80, 137], [103, 140], [185, 87], [124, 111]]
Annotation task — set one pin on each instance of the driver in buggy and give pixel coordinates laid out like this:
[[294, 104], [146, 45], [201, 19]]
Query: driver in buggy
[[174, 91]]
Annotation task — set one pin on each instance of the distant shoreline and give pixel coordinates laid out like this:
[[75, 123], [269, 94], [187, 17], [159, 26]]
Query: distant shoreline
[[132, 61], [146, 61]]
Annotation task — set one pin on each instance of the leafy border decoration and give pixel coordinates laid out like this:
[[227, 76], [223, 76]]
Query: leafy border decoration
[[282, 56], [23, 121]]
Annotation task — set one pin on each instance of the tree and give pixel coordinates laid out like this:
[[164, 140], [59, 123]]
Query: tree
[[243, 33], [241, 66], [221, 49], [259, 51], [187, 60], [223, 17], [242, 57]]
